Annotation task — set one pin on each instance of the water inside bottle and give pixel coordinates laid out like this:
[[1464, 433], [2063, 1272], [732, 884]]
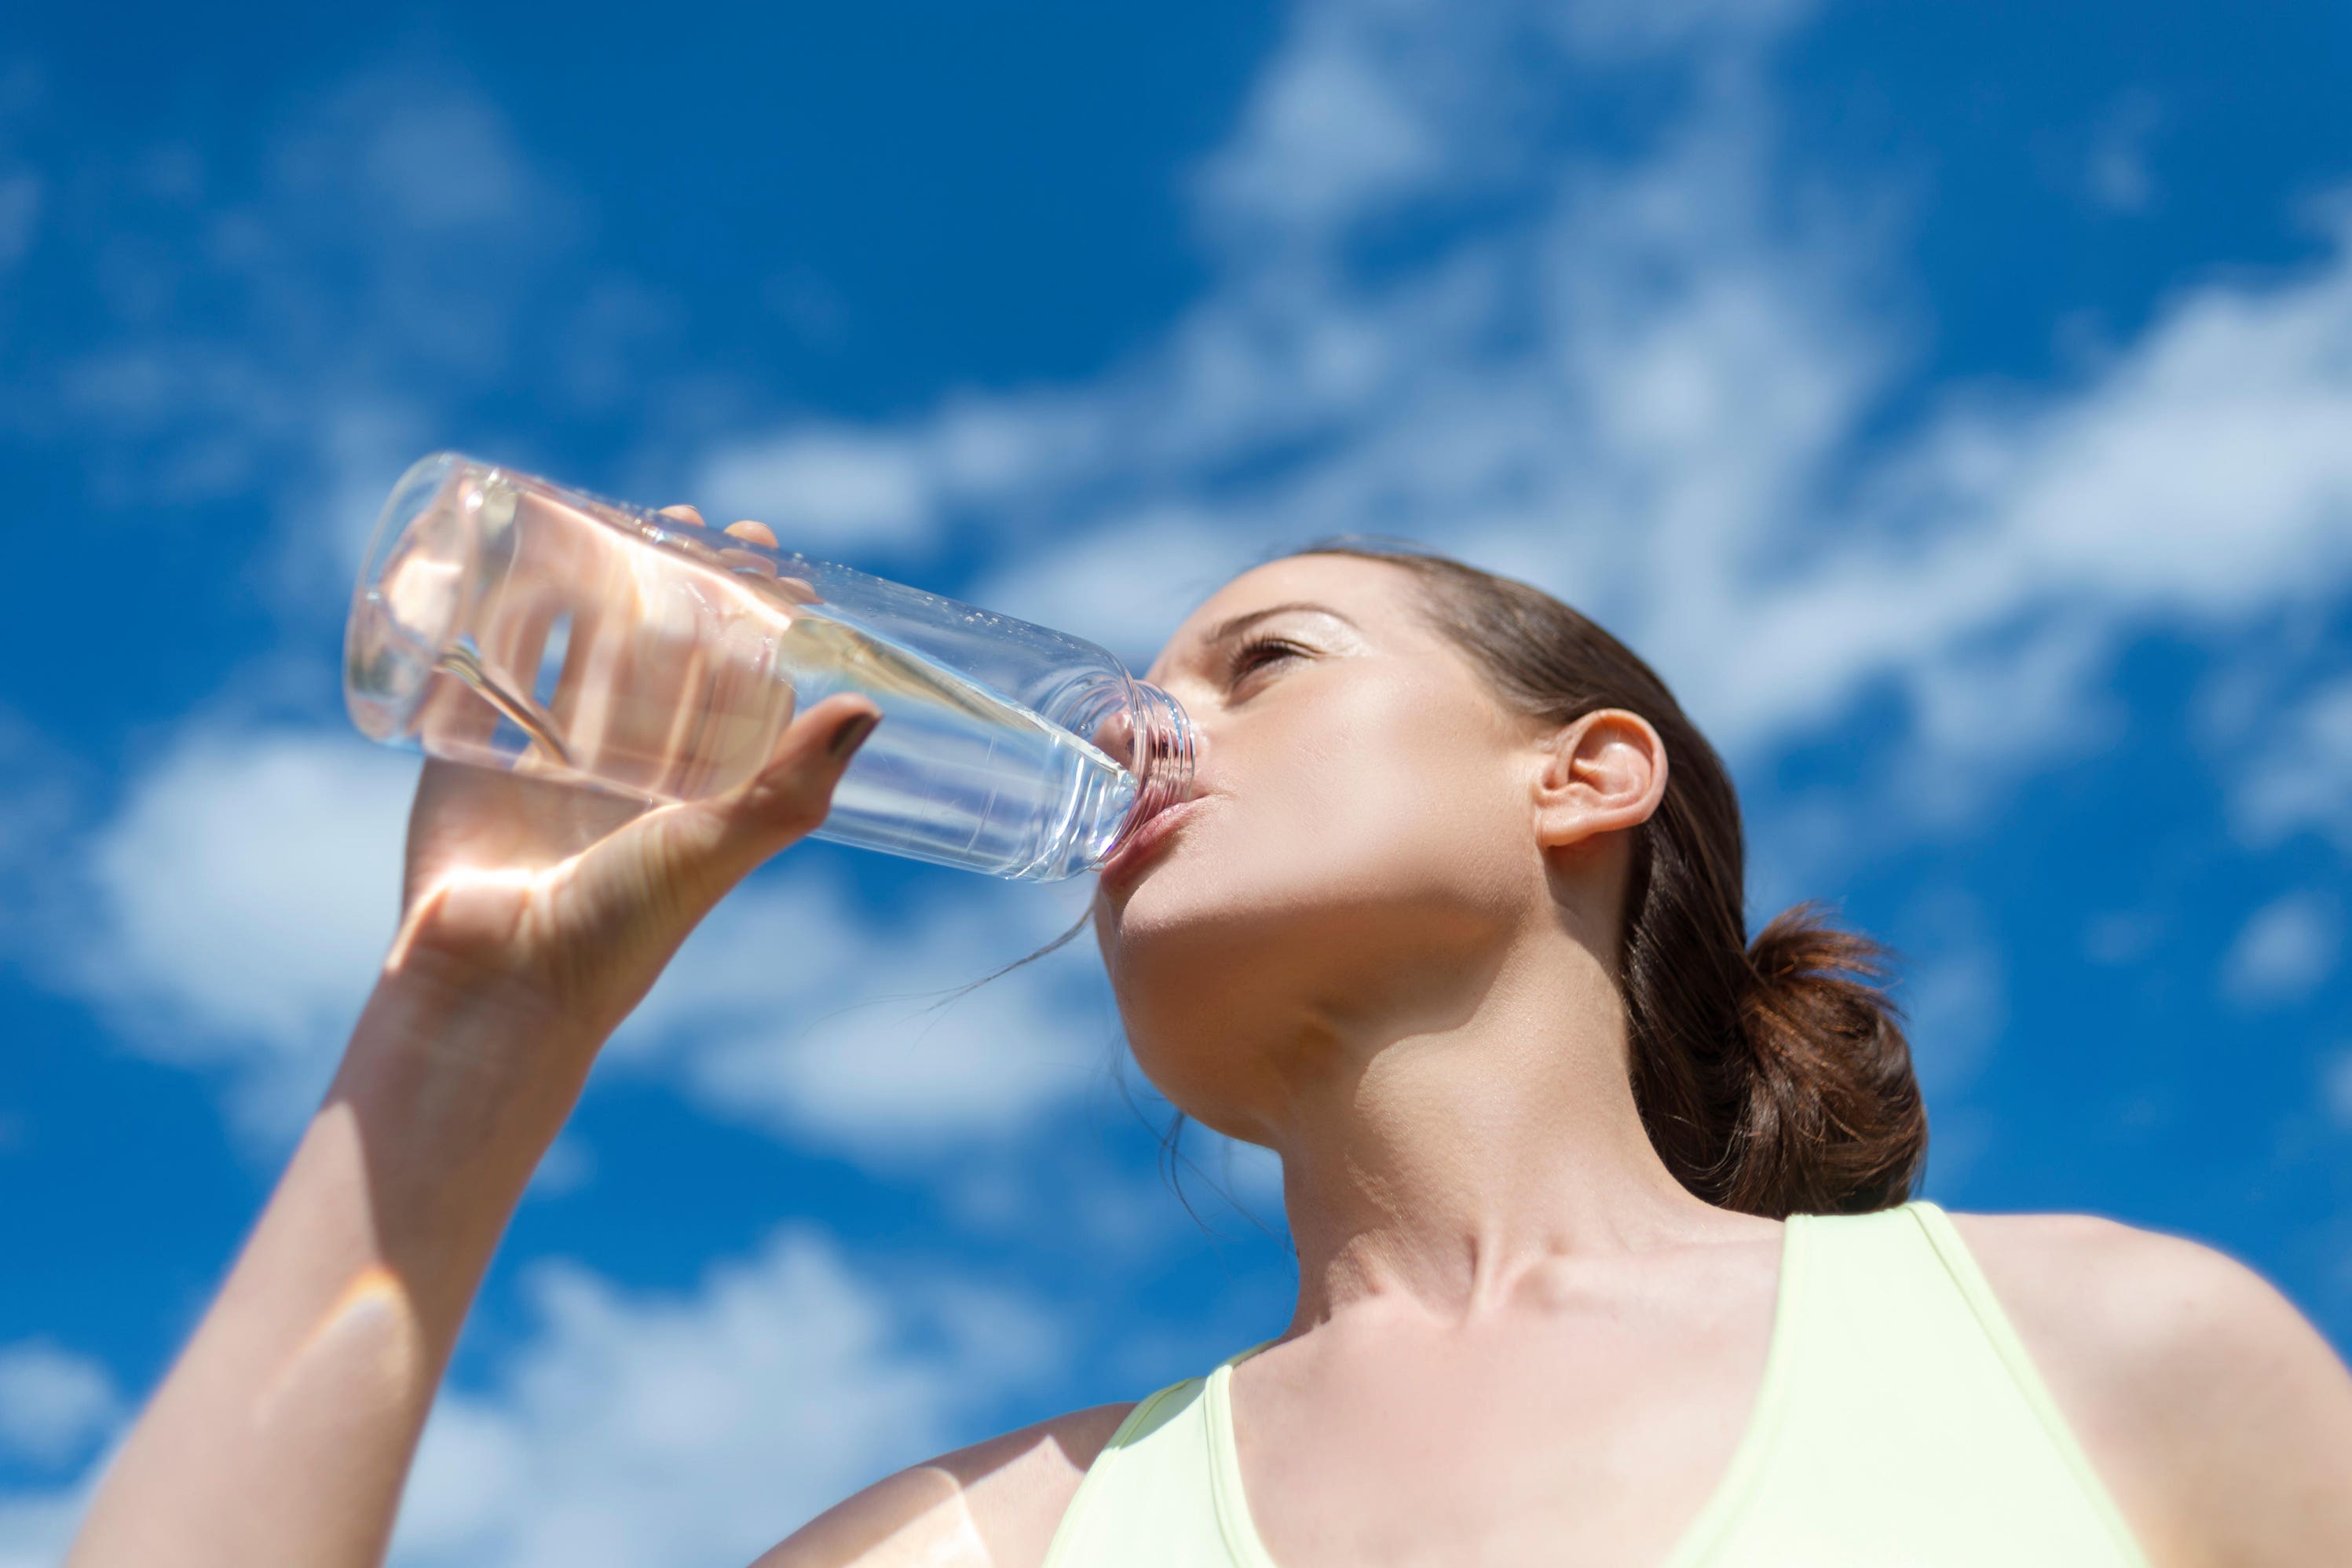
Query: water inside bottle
[[676, 682]]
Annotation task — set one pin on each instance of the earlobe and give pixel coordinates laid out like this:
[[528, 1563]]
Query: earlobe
[[1604, 772]]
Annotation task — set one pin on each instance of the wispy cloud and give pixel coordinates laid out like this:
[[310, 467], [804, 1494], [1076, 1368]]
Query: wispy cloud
[[2336, 1088], [1642, 383], [240, 902], [54, 1404], [636, 1428], [22, 191], [794, 1010], [233, 911], [2300, 773], [2118, 173], [1645, 385], [829, 486], [1956, 1000], [383, 265], [702, 1429], [2284, 951]]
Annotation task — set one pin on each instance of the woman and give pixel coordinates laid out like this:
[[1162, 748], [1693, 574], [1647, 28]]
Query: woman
[[1453, 924]]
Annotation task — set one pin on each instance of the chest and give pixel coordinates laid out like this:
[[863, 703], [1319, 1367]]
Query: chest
[[1599, 1444]]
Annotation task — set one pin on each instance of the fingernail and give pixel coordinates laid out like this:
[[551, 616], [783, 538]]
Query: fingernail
[[850, 736]]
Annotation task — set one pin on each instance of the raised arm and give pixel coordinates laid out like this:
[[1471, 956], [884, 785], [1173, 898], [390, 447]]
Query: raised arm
[[536, 916]]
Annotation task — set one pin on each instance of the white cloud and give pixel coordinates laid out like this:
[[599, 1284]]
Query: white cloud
[[1648, 391], [823, 488], [2300, 775], [1635, 386], [240, 901], [1161, 563], [41, 786], [2336, 1088], [1956, 1000], [791, 1008], [639, 1429], [245, 893], [568, 1165], [369, 275], [1612, 29], [1330, 129], [440, 162], [630, 1428], [2284, 950], [36, 1527], [54, 1404]]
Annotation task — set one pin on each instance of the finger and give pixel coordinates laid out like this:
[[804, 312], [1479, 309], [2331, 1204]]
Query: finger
[[758, 533], [748, 560], [728, 836]]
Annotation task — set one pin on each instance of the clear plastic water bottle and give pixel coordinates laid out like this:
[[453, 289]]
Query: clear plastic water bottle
[[508, 622]]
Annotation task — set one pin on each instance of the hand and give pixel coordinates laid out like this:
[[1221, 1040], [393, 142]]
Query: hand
[[567, 902]]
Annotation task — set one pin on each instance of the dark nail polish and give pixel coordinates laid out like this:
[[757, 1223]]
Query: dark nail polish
[[850, 736]]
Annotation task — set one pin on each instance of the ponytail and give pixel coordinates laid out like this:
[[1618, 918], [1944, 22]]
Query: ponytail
[[1833, 1121]]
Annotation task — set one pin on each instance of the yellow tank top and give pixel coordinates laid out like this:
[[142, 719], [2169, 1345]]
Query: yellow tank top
[[1900, 1423]]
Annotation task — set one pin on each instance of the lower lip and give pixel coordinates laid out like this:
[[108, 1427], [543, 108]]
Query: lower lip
[[1148, 839]]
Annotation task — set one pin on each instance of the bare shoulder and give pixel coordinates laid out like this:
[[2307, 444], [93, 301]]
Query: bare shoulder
[[993, 1505], [2217, 1415]]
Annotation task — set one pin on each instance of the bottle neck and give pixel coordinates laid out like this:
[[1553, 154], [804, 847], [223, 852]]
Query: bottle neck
[[1160, 755]]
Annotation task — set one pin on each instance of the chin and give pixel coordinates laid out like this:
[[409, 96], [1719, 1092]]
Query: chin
[[1201, 902], [1216, 957]]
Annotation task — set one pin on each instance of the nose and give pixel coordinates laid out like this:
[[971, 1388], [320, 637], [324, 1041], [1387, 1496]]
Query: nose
[[1115, 738], [1154, 739]]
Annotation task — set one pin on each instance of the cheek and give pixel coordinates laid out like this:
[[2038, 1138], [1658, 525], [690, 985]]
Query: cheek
[[1401, 795], [1372, 791]]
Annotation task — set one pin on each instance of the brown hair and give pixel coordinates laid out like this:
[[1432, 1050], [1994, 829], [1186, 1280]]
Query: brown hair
[[1771, 1076]]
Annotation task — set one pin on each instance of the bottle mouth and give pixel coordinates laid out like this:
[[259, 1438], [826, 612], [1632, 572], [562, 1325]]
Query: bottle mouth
[[1160, 755]]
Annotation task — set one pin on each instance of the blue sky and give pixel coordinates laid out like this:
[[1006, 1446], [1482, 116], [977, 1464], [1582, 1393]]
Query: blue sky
[[1954, 401]]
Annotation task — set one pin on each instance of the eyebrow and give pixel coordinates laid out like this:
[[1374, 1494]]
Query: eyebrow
[[1227, 630]]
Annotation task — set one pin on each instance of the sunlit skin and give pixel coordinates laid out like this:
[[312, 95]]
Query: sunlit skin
[[1382, 943], [367, 1343]]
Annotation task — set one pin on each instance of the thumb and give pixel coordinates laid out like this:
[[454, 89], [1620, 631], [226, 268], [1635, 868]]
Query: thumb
[[716, 842]]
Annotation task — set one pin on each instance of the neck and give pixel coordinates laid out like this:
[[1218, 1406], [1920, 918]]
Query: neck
[[1430, 1172]]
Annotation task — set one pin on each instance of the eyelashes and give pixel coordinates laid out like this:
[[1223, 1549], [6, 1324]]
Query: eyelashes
[[1259, 652]]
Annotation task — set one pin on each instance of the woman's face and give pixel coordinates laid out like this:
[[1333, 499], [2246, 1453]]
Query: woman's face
[[1362, 842]]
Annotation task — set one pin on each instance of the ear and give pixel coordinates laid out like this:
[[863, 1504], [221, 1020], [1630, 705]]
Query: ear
[[1603, 773]]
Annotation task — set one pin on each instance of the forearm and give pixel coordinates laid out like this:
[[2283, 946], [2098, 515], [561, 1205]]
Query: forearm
[[286, 1429]]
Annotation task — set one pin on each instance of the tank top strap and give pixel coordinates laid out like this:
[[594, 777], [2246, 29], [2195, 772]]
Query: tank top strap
[[1960, 1266], [1161, 1490], [1900, 1409]]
